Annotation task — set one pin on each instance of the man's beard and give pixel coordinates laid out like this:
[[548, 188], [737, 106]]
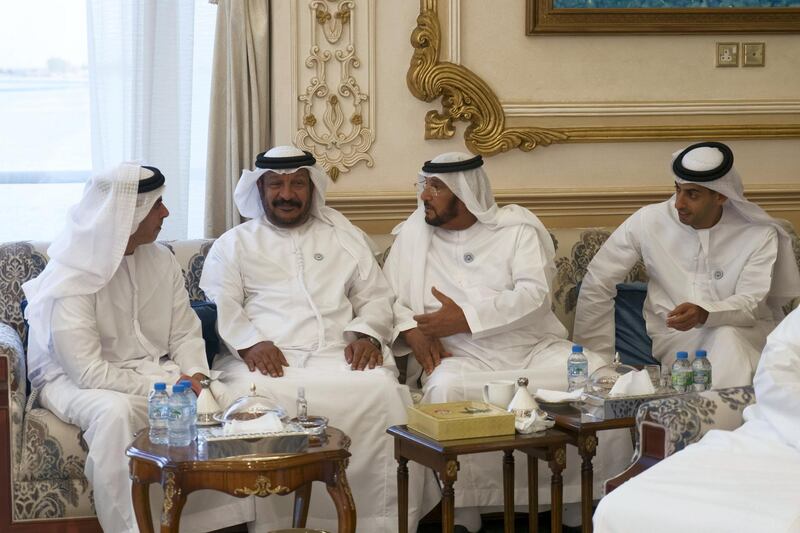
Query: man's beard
[[448, 213], [272, 216]]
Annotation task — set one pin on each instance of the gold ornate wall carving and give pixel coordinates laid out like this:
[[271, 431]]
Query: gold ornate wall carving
[[466, 97], [337, 118]]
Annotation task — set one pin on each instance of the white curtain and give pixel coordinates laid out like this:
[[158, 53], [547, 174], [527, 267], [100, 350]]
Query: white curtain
[[239, 117], [140, 65]]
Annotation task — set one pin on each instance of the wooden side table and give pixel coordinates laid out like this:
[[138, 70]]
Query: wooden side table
[[549, 446], [582, 432], [181, 471]]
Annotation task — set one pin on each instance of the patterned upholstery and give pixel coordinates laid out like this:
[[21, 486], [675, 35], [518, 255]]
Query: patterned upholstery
[[688, 417], [48, 455]]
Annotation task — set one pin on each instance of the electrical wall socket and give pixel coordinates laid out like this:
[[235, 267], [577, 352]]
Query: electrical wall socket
[[727, 54], [752, 54]]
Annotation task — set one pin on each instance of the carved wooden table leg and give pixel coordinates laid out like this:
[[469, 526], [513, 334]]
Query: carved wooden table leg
[[402, 494], [302, 496], [174, 499], [587, 447], [343, 500], [508, 491], [533, 494], [557, 464], [448, 495], [140, 493]]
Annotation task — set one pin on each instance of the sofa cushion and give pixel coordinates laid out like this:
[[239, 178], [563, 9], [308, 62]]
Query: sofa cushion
[[207, 313], [632, 342]]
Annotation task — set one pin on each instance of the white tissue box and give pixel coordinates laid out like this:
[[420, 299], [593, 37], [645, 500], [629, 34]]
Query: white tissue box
[[605, 408]]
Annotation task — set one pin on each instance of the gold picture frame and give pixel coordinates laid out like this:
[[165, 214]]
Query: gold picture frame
[[543, 18], [465, 96]]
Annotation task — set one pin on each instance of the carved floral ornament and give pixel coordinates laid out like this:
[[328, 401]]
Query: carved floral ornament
[[334, 127], [466, 97]]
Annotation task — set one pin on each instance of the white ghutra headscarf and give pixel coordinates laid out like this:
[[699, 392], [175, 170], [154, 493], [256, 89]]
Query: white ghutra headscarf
[[287, 160], [464, 176], [710, 165], [88, 251]]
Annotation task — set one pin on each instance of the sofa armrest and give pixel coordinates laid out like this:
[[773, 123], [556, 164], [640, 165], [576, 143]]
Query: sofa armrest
[[12, 388], [668, 425]]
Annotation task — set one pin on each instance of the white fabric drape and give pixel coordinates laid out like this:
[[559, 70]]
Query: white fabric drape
[[239, 117], [140, 65]]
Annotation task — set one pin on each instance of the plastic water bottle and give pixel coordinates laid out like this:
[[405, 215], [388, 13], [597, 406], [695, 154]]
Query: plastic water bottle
[[577, 368], [701, 371], [178, 429], [682, 373], [158, 413], [192, 399]]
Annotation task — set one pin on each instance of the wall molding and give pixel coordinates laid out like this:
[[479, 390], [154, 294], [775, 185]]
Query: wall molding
[[379, 212], [606, 109]]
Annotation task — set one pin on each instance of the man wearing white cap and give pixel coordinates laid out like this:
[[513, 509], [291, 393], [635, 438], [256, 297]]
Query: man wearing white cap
[[720, 269], [109, 316], [303, 303], [742, 480], [473, 305]]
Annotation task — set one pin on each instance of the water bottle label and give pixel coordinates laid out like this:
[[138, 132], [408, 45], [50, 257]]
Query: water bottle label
[[577, 369], [681, 380]]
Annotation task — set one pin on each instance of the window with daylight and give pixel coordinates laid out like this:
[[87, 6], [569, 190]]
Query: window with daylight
[[50, 101]]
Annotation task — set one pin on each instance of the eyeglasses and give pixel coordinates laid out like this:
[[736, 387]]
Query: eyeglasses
[[433, 187]]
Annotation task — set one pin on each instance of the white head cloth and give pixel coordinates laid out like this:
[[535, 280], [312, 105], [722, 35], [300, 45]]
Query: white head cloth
[[704, 158], [472, 187], [88, 251], [249, 202]]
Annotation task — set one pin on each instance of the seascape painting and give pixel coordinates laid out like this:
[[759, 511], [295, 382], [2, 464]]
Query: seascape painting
[[672, 4]]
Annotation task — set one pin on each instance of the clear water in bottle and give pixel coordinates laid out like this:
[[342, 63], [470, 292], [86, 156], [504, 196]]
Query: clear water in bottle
[[701, 371], [682, 373], [577, 368], [302, 405], [158, 413], [178, 429], [192, 399]]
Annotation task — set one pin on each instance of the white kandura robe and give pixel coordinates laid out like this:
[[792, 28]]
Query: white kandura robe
[[301, 289], [107, 350], [726, 270], [731, 481], [498, 278]]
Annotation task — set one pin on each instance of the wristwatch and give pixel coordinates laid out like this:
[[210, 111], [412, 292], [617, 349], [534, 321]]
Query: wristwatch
[[372, 340]]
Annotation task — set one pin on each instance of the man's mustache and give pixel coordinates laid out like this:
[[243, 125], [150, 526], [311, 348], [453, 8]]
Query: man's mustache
[[291, 203]]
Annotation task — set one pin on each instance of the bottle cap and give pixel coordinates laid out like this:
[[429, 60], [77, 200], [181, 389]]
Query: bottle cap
[[700, 353], [186, 383], [577, 348], [178, 388], [160, 386], [683, 355]]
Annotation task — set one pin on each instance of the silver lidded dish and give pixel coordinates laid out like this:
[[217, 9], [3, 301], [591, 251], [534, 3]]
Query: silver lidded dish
[[603, 379]]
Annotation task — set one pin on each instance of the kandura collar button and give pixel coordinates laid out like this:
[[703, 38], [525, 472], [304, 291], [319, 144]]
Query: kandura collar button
[[718, 274], [468, 257], [319, 257]]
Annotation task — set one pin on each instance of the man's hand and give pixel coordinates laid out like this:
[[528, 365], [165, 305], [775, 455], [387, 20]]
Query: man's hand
[[448, 320], [195, 380], [428, 351], [362, 353], [266, 357], [686, 316]]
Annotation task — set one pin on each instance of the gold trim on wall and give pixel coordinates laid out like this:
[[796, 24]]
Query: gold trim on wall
[[466, 97], [557, 208]]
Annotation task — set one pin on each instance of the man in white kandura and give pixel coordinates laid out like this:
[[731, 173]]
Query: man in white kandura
[[473, 305], [109, 316], [731, 481], [302, 302], [720, 269]]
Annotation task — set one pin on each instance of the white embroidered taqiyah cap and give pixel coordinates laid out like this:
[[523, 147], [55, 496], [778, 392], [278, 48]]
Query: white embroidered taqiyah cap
[[710, 165], [89, 249], [287, 160]]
